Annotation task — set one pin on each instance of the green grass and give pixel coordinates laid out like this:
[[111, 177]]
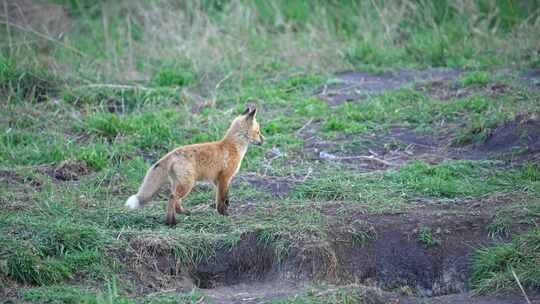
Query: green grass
[[493, 266], [464, 178], [476, 78], [43, 253], [110, 295], [500, 227], [426, 237]]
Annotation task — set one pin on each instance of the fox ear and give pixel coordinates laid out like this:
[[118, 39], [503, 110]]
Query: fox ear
[[252, 113]]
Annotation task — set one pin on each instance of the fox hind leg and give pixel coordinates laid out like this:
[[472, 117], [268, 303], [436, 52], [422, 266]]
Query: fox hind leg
[[181, 191], [178, 192]]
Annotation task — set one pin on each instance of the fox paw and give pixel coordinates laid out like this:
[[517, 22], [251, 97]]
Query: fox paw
[[223, 211], [171, 221]]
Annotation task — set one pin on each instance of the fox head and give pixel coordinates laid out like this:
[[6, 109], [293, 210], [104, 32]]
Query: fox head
[[246, 127], [254, 130]]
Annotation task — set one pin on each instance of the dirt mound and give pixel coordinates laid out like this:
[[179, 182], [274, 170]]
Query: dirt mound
[[276, 185], [12, 177], [67, 170], [522, 132], [532, 78]]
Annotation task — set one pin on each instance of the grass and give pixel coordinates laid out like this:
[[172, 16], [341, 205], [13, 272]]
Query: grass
[[493, 266], [500, 227], [127, 82], [110, 295], [426, 237], [43, 253], [476, 78]]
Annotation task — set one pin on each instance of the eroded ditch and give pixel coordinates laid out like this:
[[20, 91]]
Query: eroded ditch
[[383, 251]]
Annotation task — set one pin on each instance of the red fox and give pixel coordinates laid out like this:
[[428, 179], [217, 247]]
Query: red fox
[[217, 162]]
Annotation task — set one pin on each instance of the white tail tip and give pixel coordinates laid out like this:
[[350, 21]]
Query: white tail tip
[[133, 202]]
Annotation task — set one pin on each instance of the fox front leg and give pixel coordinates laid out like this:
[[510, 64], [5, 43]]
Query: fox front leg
[[222, 195]]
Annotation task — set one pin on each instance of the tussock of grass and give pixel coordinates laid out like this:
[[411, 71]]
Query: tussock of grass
[[476, 78], [493, 266], [427, 238], [31, 83], [500, 227], [43, 253]]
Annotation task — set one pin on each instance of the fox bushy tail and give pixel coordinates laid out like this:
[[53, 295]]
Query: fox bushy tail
[[155, 177]]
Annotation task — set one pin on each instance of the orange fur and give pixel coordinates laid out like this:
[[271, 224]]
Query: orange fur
[[217, 162]]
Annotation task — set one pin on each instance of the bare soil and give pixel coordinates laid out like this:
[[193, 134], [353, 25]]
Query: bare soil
[[355, 86], [523, 133], [532, 78], [67, 170], [277, 185]]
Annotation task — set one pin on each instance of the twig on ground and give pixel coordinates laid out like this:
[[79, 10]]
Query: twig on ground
[[307, 174], [362, 157], [115, 86], [120, 233], [160, 292], [201, 300], [373, 153], [304, 126], [520, 287]]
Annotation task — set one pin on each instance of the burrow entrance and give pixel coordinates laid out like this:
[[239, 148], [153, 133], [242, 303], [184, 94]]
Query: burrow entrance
[[389, 251]]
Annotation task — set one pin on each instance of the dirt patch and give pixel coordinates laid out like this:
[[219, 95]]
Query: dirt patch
[[468, 298], [71, 170], [354, 86], [446, 90], [68, 170], [532, 78], [276, 185], [521, 133], [398, 259], [154, 266], [442, 90], [11, 177]]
